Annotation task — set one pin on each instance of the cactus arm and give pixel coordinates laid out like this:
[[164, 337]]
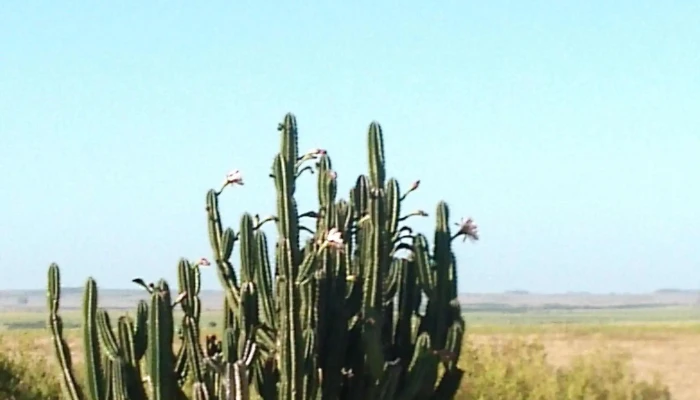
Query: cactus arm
[[249, 312], [409, 303], [140, 330], [222, 245], [289, 146], [425, 270], [287, 216], [445, 282], [449, 385], [377, 171], [70, 387], [247, 248], [393, 208], [373, 275], [290, 337], [160, 336], [106, 334], [422, 370], [91, 345], [388, 386], [119, 379], [195, 356], [127, 343], [263, 280]]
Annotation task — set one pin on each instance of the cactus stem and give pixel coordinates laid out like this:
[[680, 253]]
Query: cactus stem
[[363, 219], [404, 229], [311, 155], [306, 168], [140, 282], [179, 299], [403, 237], [302, 160], [305, 229], [417, 213], [402, 246], [413, 187], [262, 222], [309, 214]]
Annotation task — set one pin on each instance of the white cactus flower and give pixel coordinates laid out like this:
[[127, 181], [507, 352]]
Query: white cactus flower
[[234, 178], [335, 238], [468, 228], [316, 152]]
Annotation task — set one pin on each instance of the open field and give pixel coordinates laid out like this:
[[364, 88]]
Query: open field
[[661, 342]]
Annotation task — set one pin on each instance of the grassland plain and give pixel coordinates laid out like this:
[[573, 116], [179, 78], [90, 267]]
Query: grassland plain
[[654, 343]]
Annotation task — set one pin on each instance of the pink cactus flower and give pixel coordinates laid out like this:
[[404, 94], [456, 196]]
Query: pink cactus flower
[[203, 262], [234, 178], [468, 228], [335, 238]]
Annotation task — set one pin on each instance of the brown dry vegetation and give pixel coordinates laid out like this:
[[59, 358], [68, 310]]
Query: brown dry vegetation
[[507, 358], [673, 356]]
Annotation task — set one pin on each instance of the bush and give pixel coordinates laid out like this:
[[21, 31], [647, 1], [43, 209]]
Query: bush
[[518, 370], [19, 381]]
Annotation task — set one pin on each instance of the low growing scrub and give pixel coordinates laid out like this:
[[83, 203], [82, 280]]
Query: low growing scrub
[[519, 370], [22, 379]]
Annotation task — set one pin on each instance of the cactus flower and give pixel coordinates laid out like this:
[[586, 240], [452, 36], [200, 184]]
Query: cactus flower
[[234, 178], [203, 262], [468, 228], [335, 238], [316, 152]]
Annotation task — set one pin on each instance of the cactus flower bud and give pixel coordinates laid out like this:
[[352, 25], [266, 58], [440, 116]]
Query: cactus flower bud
[[203, 262], [333, 174], [413, 187]]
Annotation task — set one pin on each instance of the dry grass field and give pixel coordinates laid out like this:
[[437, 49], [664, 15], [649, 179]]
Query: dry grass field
[[503, 356], [667, 351]]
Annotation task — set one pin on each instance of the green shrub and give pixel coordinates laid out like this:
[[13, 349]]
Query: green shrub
[[519, 370], [22, 380]]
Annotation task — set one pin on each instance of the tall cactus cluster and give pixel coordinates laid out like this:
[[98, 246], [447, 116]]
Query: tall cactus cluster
[[357, 306]]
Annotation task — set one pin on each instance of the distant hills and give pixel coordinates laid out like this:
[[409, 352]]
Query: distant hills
[[35, 300]]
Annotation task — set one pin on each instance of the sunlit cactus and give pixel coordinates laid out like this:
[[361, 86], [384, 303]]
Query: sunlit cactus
[[336, 313]]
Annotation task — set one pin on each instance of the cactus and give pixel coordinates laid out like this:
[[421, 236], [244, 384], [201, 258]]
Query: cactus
[[137, 362], [340, 314]]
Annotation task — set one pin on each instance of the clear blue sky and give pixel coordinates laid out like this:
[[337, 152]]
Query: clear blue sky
[[569, 130]]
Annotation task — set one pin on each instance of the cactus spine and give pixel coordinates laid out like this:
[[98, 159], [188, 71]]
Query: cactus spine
[[338, 316]]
